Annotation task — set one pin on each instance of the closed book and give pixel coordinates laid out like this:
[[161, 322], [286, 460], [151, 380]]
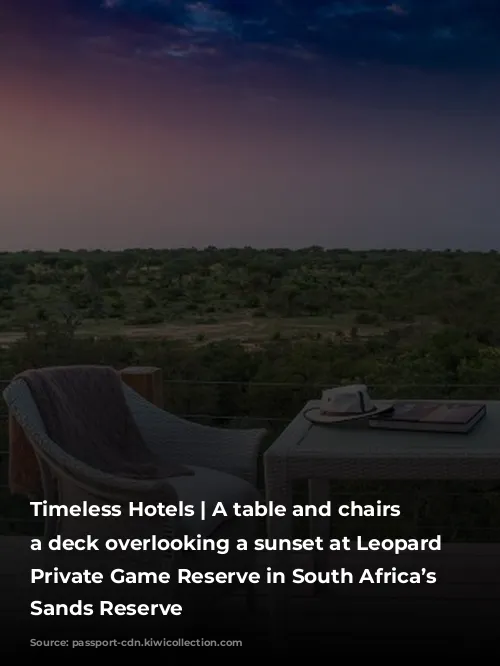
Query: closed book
[[459, 417]]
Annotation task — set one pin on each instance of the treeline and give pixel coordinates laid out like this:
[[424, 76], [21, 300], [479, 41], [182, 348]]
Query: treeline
[[152, 286]]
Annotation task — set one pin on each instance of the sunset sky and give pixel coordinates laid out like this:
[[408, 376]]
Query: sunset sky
[[163, 123]]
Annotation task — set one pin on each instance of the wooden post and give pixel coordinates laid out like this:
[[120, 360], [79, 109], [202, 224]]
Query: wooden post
[[148, 382]]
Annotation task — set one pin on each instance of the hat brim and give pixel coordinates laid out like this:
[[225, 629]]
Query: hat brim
[[314, 414]]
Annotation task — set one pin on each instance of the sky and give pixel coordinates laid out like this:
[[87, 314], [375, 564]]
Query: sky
[[269, 123]]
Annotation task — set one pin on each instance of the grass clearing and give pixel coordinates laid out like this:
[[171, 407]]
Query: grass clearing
[[247, 329]]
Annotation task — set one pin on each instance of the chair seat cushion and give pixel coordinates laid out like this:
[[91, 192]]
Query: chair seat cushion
[[212, 487]]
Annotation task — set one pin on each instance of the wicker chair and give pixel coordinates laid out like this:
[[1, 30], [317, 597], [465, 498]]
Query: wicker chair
[[224, 463]]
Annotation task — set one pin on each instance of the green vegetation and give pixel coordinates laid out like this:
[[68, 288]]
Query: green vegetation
[[409, 324], [371, 290]]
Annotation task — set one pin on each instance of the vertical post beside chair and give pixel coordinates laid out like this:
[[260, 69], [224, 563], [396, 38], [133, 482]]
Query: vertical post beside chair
[[146, 381]]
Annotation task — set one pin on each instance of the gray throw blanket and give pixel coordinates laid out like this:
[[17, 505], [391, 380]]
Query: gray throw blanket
[[85, 412]]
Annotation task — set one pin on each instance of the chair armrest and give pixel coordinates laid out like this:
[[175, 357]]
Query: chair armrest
[[72, 483], [183, 442], [75, 489], [111, 488]]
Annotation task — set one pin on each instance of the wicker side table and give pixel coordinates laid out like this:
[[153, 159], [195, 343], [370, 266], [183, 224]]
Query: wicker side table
[[321, 454]]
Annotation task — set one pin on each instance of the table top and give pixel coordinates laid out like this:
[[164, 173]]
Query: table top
[[302, 439]]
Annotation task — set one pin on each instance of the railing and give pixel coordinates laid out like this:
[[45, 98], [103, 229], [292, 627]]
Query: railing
[[459, 511]]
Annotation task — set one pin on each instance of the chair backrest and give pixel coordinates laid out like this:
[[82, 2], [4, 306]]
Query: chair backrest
[[21, 404], [68, 481]]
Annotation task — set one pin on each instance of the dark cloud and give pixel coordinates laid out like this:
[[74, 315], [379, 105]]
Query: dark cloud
[[422, 33], [426, 34]]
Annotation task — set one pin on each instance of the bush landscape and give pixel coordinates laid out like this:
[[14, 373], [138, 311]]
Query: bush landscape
[[245, 337]]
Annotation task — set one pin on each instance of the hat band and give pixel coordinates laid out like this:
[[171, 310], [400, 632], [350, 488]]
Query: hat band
[[351, 413]]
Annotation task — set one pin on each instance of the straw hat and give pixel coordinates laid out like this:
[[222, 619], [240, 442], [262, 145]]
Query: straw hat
[[346, 403]]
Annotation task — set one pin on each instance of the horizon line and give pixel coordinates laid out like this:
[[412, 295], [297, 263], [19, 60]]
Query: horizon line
[[243, 248]]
